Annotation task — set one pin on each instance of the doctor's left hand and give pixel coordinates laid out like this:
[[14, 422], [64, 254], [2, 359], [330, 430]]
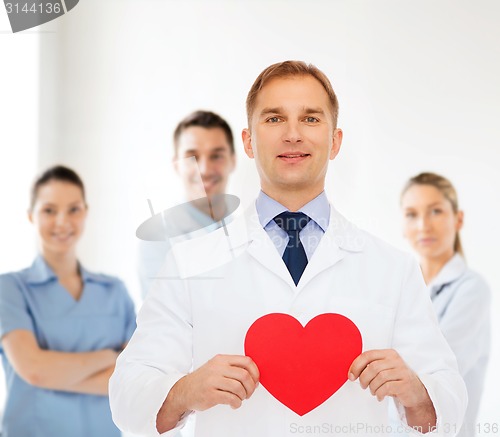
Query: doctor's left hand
[[386, 374]]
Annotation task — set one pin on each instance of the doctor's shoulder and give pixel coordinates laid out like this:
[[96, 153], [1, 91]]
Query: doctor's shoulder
[[472, 286], [353, 239], [375, 249], [15, 301], [13, 282]]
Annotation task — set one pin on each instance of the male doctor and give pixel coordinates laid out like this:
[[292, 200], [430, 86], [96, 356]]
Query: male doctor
[[204, 159], [299, 256]]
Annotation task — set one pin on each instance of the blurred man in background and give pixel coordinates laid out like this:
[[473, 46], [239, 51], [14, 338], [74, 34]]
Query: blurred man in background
[[204, 158]]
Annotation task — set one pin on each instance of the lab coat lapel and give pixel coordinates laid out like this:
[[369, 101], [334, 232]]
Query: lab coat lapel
[[263, 249], [340, 238], [326, 255], [203, 254], [206, 253]]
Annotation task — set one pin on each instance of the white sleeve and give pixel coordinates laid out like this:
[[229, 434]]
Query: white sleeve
[[419, 341], [157, 356]]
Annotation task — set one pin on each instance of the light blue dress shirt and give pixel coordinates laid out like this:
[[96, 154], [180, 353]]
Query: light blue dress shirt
[[104, 317], [317, 209]]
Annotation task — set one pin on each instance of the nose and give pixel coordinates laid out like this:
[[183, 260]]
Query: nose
[[292, 133], [61, 218], [423, 222], [203, 165]]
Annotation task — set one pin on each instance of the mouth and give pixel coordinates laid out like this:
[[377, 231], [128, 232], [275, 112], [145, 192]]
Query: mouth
[[293, 157], [210, 183], [62, 238], [426, 241]]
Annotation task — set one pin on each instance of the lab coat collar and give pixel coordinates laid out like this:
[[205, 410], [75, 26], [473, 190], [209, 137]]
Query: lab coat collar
[[41, 273], [340, 238], [204, 254], [451, 271]]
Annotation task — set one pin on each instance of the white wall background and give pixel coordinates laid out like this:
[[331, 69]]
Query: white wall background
[[417, 83], [18, 147]]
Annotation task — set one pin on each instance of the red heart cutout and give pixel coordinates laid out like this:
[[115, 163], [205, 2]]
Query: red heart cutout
[[303, 366]]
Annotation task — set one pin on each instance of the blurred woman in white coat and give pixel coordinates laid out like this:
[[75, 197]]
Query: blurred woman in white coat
[[461, 298]]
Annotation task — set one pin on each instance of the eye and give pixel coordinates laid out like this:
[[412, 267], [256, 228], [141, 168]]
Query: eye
[[190, 155], [436, 211], [410, 215], [217, 156], [311, 120], [75, 209], [273, 119], [48, 211]]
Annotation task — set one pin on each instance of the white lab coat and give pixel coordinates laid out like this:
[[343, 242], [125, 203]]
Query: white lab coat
[[188, 223], [462, 301], [185, 322]]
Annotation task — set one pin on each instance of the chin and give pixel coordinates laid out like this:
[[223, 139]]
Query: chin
[[297, 177], [215, 191], [61, 247], [218, 197], [298, 184], [429, 253]]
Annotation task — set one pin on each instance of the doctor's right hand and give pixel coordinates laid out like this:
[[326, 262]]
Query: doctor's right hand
[[225, 379]]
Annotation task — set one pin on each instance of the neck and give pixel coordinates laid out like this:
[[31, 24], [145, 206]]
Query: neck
[[214, 209], [431, 266], [213, 206], [293, 200], [63, 264]]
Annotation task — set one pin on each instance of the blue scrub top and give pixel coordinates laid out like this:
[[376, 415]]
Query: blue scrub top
[[103, 318]]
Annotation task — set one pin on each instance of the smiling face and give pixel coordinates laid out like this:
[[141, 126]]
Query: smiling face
[[292, 136], [429, 223], [212, 160], [58, 214]]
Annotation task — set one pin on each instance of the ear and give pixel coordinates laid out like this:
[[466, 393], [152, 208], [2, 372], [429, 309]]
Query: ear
[[460, 220], [247, 142], [337, 142], [30, 215]]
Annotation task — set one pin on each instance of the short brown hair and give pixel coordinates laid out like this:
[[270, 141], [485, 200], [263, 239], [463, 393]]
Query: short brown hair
[[207, 120], [56, 173], [446, 188], [289, 69]]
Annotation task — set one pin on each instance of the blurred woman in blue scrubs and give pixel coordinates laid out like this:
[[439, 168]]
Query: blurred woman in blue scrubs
[[61, 326], [460, 296]]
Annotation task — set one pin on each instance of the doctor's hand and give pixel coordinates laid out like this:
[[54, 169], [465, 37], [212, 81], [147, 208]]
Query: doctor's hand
[[386, 374], [225, 379]]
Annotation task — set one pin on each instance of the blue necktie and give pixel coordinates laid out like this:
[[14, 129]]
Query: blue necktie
[[295, 256]]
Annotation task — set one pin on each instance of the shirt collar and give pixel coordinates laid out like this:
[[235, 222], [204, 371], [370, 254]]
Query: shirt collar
[[41, 273], [317, 209], [94, 277], [451, 271]]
